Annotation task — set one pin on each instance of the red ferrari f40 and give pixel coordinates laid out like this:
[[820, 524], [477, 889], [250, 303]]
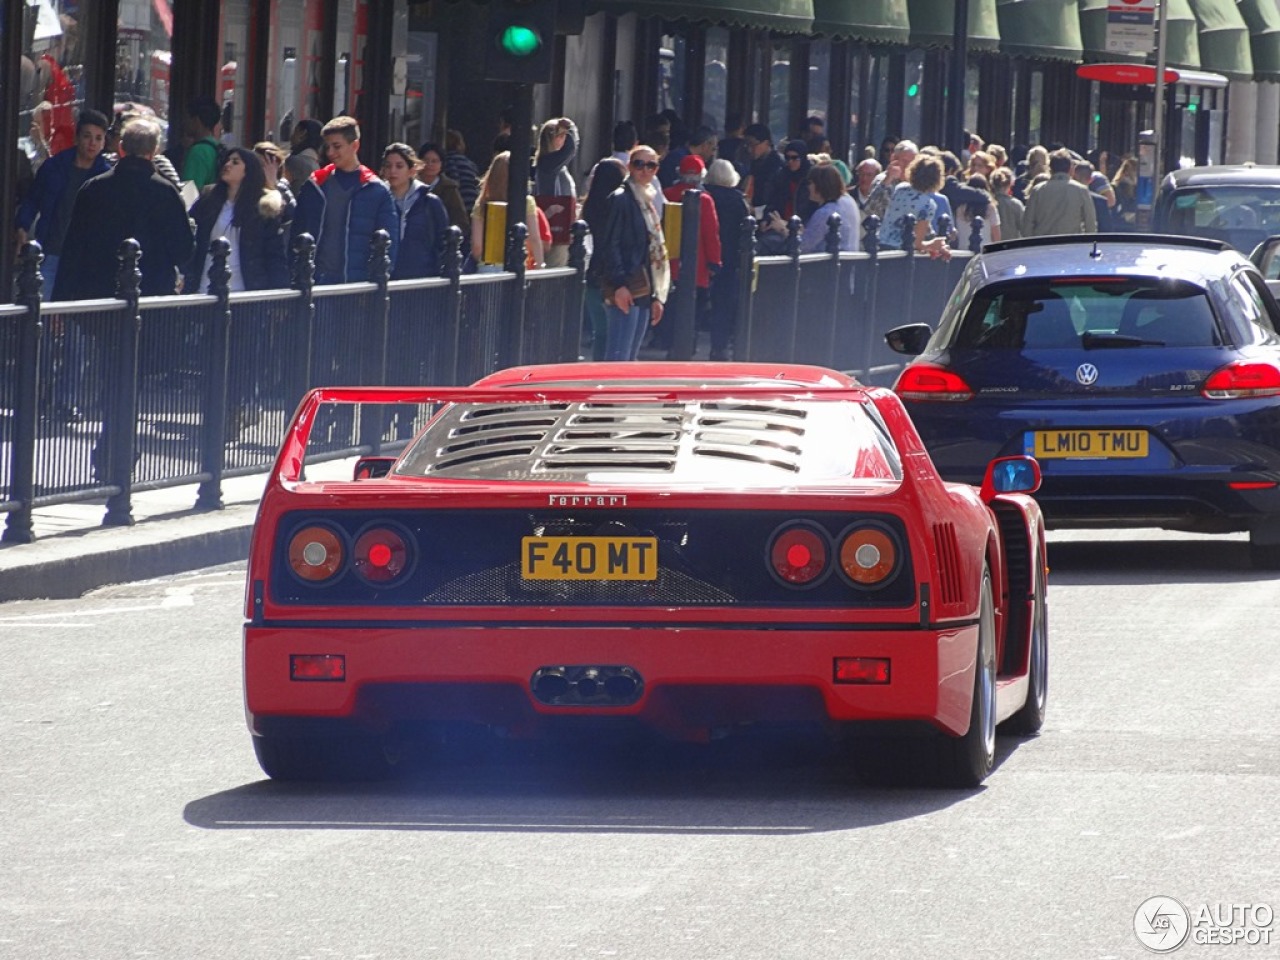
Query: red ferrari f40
[[684, 547]]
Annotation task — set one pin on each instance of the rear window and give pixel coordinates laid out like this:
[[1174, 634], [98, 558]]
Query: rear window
[[1226, 208], [748, 442], [1081, 313], [1242, 215]]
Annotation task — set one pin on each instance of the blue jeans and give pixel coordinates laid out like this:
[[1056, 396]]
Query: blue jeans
[[48, 270], [597, 313], [626, 331]]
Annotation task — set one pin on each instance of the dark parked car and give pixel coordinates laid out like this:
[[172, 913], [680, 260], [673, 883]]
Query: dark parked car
[[1143, 372], [1237, 204]]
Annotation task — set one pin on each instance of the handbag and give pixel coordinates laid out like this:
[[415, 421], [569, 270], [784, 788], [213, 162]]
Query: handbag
[[637, 283]]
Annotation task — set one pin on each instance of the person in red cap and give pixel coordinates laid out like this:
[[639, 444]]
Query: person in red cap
[[692, 169]]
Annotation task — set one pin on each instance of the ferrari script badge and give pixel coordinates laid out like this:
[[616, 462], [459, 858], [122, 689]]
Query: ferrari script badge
[[595, 500]]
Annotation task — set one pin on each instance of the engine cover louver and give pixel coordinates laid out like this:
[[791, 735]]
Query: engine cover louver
[[564, 439]]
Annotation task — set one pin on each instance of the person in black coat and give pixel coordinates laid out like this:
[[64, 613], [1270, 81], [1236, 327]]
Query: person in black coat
[[787, 193], [634, 265], [129, 201], [240, 206], [731, 209], [606, 177]]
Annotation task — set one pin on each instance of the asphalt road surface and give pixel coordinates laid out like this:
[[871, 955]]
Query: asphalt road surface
[[136, 822]]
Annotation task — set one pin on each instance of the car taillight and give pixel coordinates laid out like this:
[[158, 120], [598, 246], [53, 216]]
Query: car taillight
[[1237, 380], [928, 381], [798, 555], [381, 555], [315, 554], [868, 555]]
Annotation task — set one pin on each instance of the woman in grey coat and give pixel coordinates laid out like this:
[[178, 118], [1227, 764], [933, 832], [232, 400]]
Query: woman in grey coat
[[557, 146]]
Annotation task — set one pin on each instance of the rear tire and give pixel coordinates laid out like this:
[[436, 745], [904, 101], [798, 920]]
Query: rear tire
[[937, 759], [1028, 721], [347, 758]]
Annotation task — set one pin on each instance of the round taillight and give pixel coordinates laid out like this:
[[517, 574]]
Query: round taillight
[[381, 555], [868, 555], [798, 555], [315, 554]]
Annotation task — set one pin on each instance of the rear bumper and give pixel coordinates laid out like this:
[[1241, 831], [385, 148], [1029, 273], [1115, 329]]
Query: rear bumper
[[1174, 499], [693, 678]]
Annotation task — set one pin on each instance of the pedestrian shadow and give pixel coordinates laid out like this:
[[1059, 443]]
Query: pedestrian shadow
[[761, 786]]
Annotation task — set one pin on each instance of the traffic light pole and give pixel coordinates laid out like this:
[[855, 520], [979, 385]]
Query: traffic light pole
[[1158, 122], [518, 177], [955, 85]]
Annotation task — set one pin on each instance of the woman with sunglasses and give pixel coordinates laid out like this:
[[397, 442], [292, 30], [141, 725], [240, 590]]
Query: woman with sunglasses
[[787, 194], [635, 269]]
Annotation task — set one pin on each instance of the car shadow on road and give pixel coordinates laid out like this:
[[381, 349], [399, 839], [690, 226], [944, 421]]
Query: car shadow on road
[[1153, 561], [747, 786]]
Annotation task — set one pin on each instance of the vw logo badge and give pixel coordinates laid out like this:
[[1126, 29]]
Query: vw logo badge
[[1087, 374]]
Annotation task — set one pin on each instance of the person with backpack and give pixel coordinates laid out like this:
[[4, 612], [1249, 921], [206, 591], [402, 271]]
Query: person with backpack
[[206, 154]]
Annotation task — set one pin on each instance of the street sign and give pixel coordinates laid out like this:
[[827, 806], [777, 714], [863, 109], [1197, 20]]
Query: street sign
[[1124, 73], [1131, 26]]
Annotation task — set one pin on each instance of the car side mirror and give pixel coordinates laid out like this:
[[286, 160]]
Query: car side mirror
[[1266, 257], [1010, 475], [370, 468], [910, 339]]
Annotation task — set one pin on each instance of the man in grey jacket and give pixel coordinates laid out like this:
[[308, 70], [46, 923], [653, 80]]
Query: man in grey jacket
[[1059, 205]]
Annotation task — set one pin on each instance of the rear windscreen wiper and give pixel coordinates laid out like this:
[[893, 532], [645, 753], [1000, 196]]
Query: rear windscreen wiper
[[1092, 341]]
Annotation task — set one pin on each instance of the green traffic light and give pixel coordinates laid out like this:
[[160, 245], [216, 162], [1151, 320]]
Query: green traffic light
[[913, 90], [520, 41]]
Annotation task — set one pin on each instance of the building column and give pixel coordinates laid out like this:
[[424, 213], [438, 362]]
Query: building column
[[1268, 128], [1242, 122], [10, 82]]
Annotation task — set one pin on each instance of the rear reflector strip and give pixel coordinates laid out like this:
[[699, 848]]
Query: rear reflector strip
[[1251, 484], [317, 666], [862, 670]]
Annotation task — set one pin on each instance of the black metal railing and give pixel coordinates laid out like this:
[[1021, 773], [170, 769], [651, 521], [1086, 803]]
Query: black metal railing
[[100, 399]]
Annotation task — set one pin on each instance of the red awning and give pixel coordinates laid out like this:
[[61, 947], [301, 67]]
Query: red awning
[[165, 12]]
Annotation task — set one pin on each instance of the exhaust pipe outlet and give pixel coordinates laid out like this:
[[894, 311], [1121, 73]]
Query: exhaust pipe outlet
[[550, 684], [621, 687], [587, 685]]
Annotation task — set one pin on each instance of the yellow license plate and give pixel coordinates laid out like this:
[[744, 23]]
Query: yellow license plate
[[589, 558], [1089, 444]]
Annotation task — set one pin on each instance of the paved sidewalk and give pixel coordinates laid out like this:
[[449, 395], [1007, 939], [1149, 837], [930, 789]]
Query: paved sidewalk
[[74, 553]]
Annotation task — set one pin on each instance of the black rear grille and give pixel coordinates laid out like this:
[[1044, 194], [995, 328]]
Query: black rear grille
[[472, 557], [948, 553], [556, 439]]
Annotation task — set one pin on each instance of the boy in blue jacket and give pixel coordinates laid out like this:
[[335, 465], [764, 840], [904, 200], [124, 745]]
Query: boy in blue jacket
[[48, 206], [341, 205]]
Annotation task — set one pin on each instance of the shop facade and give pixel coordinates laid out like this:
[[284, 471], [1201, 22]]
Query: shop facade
[[876, 70]]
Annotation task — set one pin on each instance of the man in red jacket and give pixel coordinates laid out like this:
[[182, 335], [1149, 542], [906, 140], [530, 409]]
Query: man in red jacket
[[692, 170]]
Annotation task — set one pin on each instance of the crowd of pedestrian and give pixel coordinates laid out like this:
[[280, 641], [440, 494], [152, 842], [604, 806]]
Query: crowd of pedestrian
[[1002, 195], [84, 200]]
